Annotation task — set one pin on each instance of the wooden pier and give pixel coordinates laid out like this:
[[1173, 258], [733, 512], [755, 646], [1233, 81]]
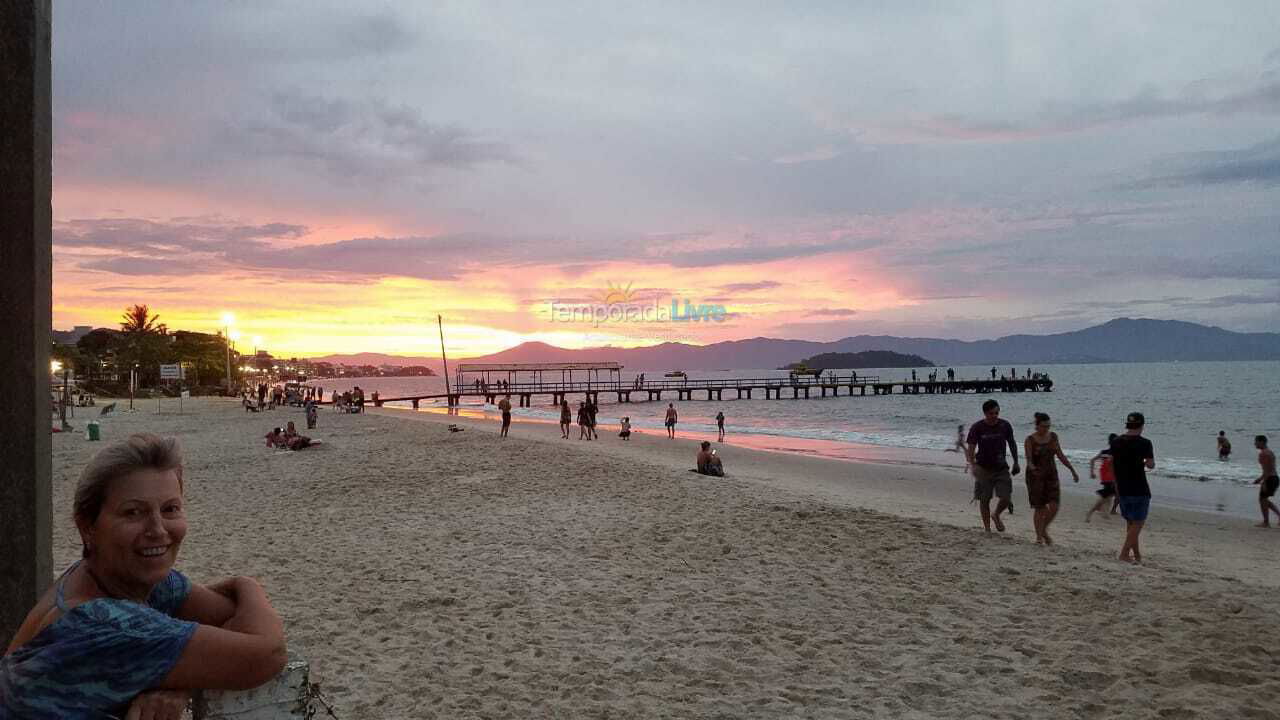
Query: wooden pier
[[739, 389]]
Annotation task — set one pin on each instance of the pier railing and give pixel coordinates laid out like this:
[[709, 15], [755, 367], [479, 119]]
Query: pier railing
[[771, 386], [664, 384]]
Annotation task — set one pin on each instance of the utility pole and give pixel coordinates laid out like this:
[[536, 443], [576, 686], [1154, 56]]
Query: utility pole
[[447, 393]]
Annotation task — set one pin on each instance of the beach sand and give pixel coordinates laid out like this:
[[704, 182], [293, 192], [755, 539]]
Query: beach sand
[[427, 573]]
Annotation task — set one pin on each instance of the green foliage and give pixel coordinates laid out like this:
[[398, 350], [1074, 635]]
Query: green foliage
[[107, 355]]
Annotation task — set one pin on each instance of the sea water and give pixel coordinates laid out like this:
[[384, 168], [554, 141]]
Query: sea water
[[1185, 405]]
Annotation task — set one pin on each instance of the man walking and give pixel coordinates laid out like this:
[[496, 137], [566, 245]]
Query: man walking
[[670, 420], [592, 411], [1131, 457], [1268, 480], [987, 441]]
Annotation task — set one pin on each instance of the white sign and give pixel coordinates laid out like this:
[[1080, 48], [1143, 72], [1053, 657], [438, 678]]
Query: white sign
[[170, 372]]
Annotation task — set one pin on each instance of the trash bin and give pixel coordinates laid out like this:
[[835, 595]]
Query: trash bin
[[92, 433]]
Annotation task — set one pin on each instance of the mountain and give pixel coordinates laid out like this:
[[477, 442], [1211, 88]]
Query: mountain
[[859, 360], [1121, 340], [368, 358]]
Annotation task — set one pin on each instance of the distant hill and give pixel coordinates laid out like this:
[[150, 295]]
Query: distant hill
[[368, 358], [859, 360], [1122, 340]]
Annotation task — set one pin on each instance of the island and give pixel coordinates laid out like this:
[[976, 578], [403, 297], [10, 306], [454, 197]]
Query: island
[[858, 360]]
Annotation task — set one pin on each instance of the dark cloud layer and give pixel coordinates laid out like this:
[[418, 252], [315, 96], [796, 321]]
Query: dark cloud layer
[[365, 141], [1258, 163]]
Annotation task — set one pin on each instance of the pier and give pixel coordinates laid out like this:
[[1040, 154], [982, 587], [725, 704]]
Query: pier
[[484, 386]]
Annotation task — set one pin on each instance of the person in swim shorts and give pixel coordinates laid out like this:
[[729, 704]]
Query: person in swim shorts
[[1132, 456], [1268, 481], [992, 475]]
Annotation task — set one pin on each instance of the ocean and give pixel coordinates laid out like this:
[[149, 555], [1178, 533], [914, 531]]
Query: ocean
[[1185, 404]]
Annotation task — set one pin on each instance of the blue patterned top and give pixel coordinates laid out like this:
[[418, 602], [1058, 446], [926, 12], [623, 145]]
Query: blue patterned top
[[93, 660]]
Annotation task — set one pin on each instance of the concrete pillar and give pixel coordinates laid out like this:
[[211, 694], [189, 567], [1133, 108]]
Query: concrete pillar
[[26, 254]]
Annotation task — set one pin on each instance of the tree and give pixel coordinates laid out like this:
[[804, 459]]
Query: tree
[[138, 319], [99, 349], [146, 343]]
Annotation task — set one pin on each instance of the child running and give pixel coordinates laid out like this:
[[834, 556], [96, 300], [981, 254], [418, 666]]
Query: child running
[[1107, 476]]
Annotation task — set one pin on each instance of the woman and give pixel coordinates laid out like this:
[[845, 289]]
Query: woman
[[121, 633], [625, 433], [293, 440], [1043, 488], [566, 418]]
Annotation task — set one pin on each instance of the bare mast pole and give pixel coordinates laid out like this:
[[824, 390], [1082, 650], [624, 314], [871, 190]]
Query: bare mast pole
[[447, 392]]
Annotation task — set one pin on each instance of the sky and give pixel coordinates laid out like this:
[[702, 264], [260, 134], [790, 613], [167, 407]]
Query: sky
[[337, 175]]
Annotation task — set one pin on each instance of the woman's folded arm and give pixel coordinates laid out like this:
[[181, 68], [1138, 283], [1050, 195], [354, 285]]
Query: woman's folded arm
[[247, 651]]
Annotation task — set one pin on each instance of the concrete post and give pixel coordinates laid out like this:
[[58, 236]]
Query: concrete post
[[285, 697], [26, 254]]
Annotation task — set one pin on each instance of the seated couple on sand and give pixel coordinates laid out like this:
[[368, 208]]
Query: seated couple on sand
[[287, 438], [122, 633], [708, 462]]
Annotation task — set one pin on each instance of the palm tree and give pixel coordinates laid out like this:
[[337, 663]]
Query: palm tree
[[138, 319], [145, 342]]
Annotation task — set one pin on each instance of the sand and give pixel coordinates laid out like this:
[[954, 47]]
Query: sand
[[434, 574]]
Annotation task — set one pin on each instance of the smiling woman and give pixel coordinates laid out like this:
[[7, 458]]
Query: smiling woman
[[122, 633]]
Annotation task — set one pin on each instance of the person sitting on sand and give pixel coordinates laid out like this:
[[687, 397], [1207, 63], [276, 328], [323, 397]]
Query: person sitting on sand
[[1268, 480], [670, 420], [1107, 476], [1224, 446], [293, 440], [121, 633], [566, 418], [275, 438], [1043, 488], [708, 462], [626, 429]]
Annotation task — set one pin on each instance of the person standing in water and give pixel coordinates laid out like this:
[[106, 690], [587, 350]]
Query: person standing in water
[[1107, 476], [1132, 456], [720, 424], [991, 474], [670, 421], [1043, 488], [1224, 446], [1268, 480], [566, 418]]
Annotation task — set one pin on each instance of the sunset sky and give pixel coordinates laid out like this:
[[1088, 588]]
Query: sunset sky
[[336, 174]]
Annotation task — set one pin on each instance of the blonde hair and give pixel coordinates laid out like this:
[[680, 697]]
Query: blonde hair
[[143, 451]]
